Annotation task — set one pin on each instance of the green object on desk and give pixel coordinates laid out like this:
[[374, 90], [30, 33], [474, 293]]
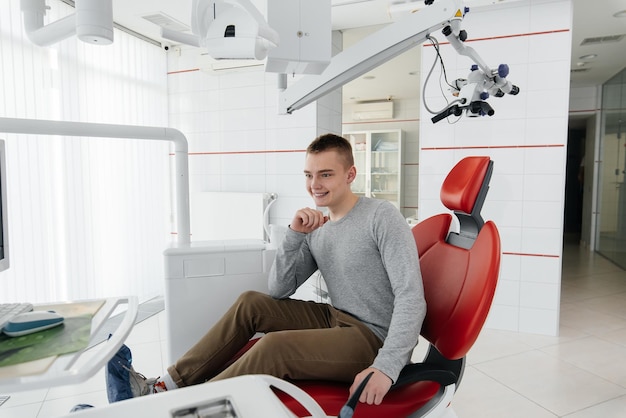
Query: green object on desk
[[71, 336]]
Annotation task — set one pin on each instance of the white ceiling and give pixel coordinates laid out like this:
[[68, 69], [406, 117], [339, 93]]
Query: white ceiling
[[592, 19]]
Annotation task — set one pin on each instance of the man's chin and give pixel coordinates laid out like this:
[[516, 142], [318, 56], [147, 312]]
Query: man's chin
[[321, 200]]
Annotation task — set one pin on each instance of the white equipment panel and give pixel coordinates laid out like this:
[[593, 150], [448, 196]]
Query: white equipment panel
[[203, 279]]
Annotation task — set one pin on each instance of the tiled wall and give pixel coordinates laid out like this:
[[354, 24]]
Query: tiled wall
[[237, 140], [527, 140]]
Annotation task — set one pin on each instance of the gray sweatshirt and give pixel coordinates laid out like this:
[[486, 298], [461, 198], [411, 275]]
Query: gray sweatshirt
[[370, 265]]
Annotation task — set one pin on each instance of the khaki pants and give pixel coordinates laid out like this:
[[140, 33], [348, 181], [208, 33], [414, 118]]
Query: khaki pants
[[304, 340]]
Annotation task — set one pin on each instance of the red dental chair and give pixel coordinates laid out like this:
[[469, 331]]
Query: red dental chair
[[460, 271]]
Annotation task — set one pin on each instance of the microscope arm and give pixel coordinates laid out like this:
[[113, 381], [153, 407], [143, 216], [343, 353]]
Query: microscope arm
[[393, 40], [369, 53]]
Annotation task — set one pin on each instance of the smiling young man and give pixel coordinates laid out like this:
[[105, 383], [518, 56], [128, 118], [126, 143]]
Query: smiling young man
[[366, 253]]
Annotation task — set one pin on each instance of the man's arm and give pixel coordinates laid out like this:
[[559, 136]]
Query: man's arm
[[398, 250], [294, 264]]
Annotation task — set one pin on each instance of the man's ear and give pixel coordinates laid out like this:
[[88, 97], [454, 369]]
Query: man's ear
[[351, 174]]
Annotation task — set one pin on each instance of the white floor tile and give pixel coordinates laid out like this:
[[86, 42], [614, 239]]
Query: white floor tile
[[23, 411], [615, 408], [552, 383], [24, 398], [61, 407], [599, 357], [481, 396]]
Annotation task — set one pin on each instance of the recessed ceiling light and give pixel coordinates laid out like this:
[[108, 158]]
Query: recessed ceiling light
[[588, 56], [621, 13]]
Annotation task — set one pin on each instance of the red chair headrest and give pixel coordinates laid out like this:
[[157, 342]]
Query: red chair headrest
[[462, 184]]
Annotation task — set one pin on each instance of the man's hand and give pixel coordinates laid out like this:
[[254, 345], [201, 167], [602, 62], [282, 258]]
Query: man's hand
[[376, 388], [307, 220]]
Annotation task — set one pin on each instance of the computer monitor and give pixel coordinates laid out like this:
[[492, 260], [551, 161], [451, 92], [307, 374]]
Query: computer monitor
[[4, 224]]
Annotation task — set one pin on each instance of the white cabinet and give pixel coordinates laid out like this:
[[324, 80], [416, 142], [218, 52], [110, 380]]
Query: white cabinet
[[305, 31], [378, 161]]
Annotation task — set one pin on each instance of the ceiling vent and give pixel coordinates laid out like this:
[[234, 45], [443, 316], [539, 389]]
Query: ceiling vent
[[163, 20], [374, 110], [602, 40], [210, 65], [578, 70]]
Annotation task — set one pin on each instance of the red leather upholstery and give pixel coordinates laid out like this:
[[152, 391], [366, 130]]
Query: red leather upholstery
[[459, 286], [459, 290], [460, 188]]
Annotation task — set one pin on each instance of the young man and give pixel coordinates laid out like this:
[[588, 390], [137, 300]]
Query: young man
[[366, 253]]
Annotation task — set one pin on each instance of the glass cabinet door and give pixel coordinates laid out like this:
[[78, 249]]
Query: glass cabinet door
[[384, 168], [359, 144], [378, 158]]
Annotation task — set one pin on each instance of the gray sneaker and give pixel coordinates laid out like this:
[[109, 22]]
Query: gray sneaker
[[122, 381], [139, 384]]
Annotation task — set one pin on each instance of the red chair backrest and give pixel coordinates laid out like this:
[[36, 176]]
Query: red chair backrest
[[459, 283]]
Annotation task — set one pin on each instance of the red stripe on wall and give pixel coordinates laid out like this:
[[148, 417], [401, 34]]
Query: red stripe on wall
[[183, 71], [531, 255], [493, 147], [248, 152], [245, 152]]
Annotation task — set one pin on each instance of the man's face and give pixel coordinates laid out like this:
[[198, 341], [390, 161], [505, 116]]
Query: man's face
[[327, 178]]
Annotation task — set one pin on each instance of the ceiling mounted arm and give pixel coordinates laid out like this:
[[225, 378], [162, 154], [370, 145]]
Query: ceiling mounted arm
[[227, 29], [368, 54], [92, 22]]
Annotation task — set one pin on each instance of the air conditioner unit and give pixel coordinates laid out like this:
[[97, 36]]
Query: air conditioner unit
[[377, 110]]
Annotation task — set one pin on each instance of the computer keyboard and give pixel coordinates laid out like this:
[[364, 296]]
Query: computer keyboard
[[8, 311]]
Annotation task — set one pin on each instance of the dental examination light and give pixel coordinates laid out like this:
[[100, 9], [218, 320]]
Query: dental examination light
[[227, 29], [92, 22]]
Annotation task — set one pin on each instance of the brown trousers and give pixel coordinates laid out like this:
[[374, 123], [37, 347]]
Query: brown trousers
[[304, 340]]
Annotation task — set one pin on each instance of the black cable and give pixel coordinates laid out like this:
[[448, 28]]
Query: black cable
[[348, 409]]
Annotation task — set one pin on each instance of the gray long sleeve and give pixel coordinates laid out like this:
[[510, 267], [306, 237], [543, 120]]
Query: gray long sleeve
[[369, 262]]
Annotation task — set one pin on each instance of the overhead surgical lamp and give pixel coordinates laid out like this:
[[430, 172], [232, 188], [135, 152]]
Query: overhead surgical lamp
[[227, 29], [92, 22]]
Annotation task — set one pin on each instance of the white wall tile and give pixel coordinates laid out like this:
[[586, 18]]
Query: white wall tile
[[544, 187], [546, 131], [504, 212], [550, 15], [542, 241], [434, 162], [503, 317], [508, 292], [541, 214], [546, 270], [505, 187], [511, 238], [548, 160], [507, 161], [539, 75], [510, 267], [548, 103], [541, 51], [539, 295]]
